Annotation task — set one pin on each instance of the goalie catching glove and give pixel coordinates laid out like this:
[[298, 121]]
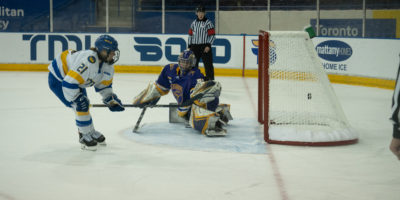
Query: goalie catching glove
[[150, 96], [208, 91], [113, 103]]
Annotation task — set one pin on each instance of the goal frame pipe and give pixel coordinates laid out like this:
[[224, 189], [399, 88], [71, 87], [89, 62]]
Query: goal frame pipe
[[260, 80], [263, 81], [266, 85]]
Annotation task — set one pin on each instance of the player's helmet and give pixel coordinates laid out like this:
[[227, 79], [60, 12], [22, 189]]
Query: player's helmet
[[187, 60], [200, 8], [109, 44]]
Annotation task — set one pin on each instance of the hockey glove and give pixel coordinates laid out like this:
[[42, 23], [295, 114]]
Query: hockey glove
[[208, 91], [82, 103], [113, 103]]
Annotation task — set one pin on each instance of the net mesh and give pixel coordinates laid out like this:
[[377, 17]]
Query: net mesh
[[303, 105]]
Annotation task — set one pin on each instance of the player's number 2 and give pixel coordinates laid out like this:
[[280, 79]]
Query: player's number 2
[[82, 68]]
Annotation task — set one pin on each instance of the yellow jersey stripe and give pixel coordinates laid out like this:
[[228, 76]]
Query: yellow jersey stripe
[[82, 113], [107, 82], [64, 61], [76, 76]]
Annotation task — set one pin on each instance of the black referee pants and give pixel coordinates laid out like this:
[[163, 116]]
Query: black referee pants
[[207, 58]]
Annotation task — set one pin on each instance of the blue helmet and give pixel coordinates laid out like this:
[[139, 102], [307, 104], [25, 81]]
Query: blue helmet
[[187, 60], [109, 44]]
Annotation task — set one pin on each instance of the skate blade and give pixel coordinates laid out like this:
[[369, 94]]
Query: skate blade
[[213, 133], [102, 143], [87, 148]]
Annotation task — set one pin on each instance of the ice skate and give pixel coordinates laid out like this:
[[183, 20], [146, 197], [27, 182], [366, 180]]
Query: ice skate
[[100, 139], [87, 142], [217, 131]]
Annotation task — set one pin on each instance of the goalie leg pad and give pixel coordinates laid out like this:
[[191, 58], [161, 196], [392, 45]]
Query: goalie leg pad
[[150, 95], [206, 121]]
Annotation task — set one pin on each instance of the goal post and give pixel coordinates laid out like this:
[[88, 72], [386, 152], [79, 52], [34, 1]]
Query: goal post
[[296, 102]]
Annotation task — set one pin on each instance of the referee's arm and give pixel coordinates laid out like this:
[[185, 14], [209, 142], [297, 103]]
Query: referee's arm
[[190, 40], [210, 33]]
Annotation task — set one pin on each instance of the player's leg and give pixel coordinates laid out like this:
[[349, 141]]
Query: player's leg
[[208, 65], [56, 87], [197, 50], [88, 136], [84, 122]]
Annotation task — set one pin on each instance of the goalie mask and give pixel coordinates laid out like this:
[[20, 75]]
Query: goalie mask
[[107, 49], [186, 60]]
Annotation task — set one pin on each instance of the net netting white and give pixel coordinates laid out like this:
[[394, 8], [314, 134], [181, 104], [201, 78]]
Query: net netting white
[[303, 105]]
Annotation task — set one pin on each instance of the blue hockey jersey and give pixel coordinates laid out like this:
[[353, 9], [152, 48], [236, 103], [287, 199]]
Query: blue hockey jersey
[[181, 85]]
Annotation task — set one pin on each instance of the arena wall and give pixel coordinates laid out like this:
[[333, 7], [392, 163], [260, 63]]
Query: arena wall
[[370, 62]]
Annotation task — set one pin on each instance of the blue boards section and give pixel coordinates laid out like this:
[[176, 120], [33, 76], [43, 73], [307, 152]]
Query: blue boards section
[[33, 16], [175, 22], [84, 16], [374, 28], [20, 15]]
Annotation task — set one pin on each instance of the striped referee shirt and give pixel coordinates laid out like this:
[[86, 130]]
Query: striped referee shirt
[[201, 32]]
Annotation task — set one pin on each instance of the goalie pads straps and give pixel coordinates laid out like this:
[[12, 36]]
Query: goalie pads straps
[[206, 121], [173, 115], [209, 91], [224, 111], [151, 94], [183, 110]]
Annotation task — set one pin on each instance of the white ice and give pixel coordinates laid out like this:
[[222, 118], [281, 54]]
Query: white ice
[[40, 157]]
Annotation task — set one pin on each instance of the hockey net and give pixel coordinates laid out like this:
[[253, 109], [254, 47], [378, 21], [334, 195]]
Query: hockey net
[[296, 102]]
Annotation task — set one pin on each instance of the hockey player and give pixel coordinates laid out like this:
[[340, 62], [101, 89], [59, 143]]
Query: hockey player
[[73, 71], [186, 82]]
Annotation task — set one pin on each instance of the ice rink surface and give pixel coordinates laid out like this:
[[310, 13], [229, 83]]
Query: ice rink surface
[[40, 156]]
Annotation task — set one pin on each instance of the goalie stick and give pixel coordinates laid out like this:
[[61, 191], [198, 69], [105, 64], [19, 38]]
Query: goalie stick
[[137, 106], [186, 103], [139, 120]]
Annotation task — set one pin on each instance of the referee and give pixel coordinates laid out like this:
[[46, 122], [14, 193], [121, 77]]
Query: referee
[[201, 36], [395, 143]]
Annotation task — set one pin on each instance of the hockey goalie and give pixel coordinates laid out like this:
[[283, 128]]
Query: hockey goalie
[[199, 99]]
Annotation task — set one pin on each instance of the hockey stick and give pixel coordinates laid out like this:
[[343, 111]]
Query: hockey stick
[[139, 120], [137, 106], [186, 103]]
